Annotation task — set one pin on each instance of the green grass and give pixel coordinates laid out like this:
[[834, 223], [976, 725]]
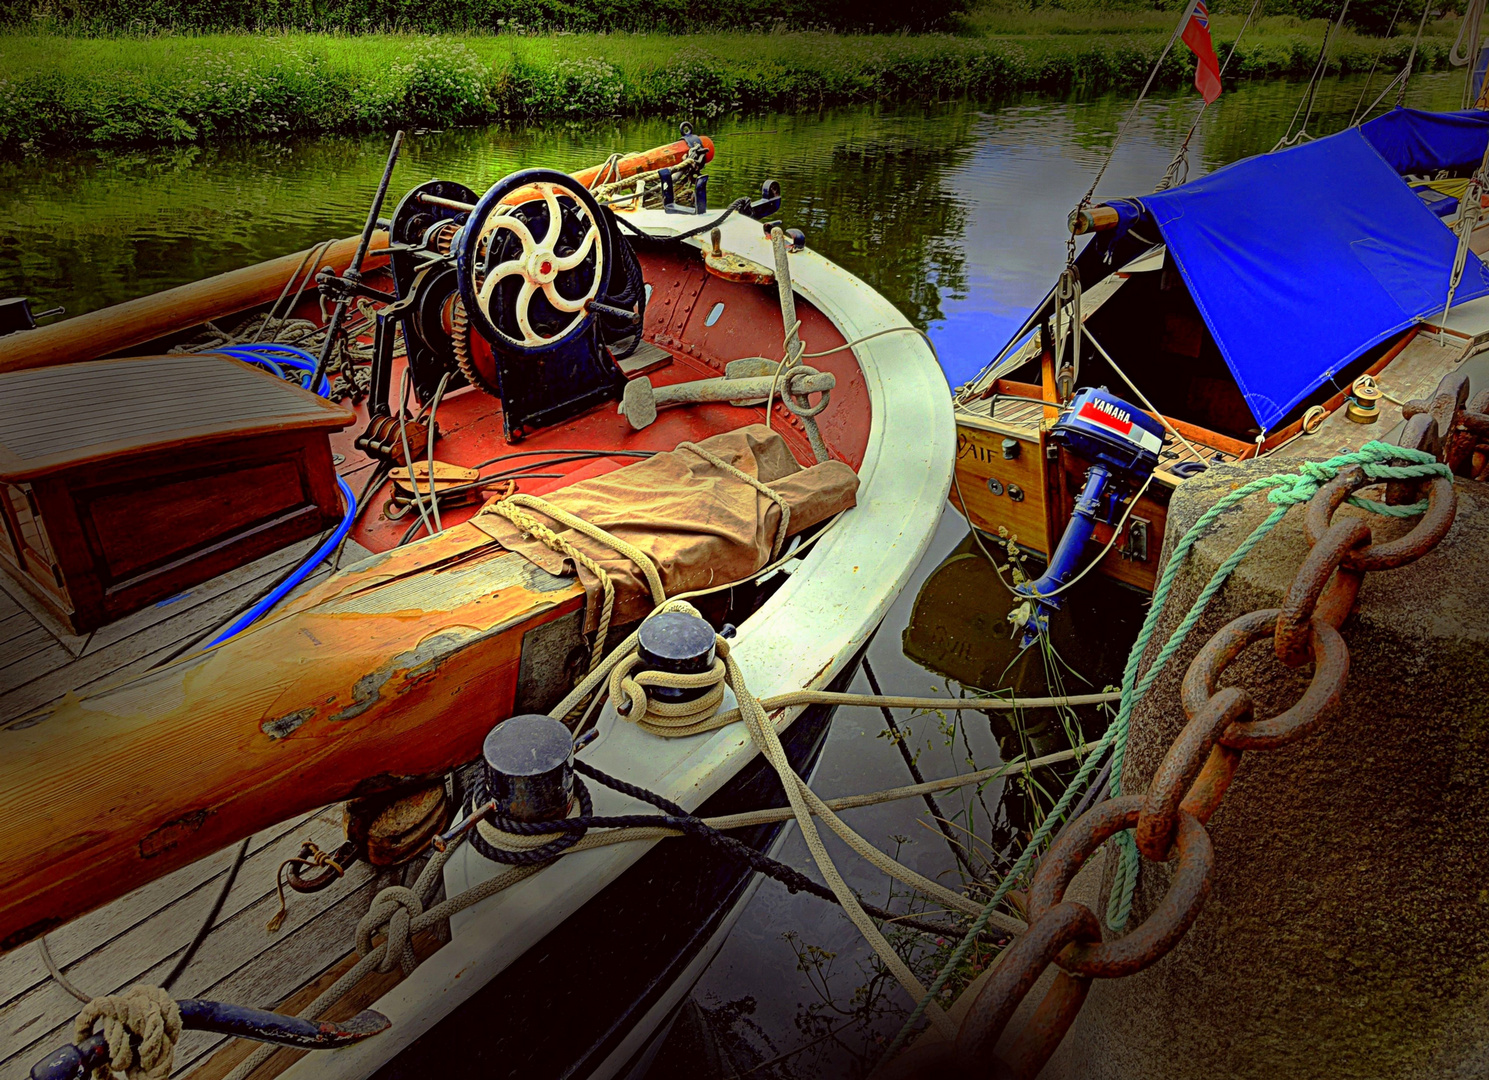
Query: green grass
[[186, 88]]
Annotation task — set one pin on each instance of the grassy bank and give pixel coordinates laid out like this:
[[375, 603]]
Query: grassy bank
[[183, 88]]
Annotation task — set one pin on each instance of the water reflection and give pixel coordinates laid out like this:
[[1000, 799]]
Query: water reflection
[[954, 212]]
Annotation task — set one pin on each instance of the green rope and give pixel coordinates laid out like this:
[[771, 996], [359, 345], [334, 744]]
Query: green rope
[[1286, 490]]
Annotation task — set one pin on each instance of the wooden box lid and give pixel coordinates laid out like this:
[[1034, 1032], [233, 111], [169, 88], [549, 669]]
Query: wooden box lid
[[58, 417]]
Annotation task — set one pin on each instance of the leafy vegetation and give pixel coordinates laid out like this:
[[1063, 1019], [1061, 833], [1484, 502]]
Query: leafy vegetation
[[444, 16], [170, 87]]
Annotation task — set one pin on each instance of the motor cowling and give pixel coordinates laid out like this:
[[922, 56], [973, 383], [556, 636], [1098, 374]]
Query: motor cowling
[[1122, 445]]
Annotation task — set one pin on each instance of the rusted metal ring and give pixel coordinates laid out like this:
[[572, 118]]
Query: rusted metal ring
[[1291, 638], [1210, 786], [1159, 821], [798, 401], [1167, 923], [1330, 670], [1442, 505], [1019, 968], [328, 867]]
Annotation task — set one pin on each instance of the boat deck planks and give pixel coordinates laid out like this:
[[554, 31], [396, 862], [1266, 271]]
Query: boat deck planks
[[39, 661], [139, 938], [1414, 373], [1018, 415]]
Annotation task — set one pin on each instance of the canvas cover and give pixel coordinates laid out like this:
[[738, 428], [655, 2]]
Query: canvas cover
[[700, 525], [1413, 141], [1301, 260]]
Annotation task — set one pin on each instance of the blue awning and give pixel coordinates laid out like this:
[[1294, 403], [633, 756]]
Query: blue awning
[[1413, 141], [1302, 260]]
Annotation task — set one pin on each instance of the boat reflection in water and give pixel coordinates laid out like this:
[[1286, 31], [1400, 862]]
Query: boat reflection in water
[[959, 629]]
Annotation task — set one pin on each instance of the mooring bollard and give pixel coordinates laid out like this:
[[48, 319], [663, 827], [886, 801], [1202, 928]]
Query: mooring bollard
[[1346, 930]]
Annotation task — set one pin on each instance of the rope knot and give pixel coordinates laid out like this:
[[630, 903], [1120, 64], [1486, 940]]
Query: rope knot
[[393, 910], [144, 1014], [629, 692]]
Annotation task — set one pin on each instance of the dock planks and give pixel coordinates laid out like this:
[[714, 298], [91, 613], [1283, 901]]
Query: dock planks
[[139, 937]]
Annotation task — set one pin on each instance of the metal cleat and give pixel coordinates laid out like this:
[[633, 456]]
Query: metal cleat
[[733, 267]]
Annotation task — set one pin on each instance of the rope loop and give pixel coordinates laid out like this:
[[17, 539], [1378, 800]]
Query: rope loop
[[146, 1015], [521, 843], [667, 718], [392, 911]]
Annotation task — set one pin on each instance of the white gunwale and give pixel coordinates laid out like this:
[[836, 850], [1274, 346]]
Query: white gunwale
[[802, 637]]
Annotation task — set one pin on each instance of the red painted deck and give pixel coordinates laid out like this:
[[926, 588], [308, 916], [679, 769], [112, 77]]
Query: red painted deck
[[683, 296]]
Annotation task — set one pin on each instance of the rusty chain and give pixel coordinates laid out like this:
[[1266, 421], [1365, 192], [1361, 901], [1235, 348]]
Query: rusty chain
[[1462, 425], [1169, 820]]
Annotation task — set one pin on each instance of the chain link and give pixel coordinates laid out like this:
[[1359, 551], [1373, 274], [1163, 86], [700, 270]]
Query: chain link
[[1169, 820]]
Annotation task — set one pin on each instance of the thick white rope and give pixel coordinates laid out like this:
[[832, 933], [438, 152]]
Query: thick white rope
[[144, 1014]]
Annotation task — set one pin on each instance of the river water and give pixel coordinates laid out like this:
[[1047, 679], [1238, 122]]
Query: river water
[[956, 213]]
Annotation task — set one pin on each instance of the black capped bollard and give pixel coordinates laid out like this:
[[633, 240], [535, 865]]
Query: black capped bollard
[[528, 764], [677, 643]]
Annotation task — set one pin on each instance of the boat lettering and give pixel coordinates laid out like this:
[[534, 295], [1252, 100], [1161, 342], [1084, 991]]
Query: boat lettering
[[1107, 415]]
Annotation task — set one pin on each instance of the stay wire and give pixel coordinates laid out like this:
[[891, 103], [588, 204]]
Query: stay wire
[[1355, 116], [1411, 57], [1127, 123], [1181, 155]]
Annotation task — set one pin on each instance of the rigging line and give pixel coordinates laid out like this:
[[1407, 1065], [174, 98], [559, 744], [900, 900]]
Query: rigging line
[[311, 255], [1411, 56], [413, 481], [1131, 115], [1288, 138], [1144, 398], [1376, 60], [1400, 76], [1183, 150], [1468, 28], [408, 456], [1323, 64]]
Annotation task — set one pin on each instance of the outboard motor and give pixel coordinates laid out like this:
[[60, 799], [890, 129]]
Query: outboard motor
[[1122, 445]]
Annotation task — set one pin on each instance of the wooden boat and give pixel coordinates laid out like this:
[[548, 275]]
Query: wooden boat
[[376, 680], [1287, 305]]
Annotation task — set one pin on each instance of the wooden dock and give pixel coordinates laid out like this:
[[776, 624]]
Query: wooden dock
[[140, 937]]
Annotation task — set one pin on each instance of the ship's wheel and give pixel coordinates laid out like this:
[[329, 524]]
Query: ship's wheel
[[529, 270]]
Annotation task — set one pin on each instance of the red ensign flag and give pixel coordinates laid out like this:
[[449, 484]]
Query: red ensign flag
[[1197, 36]]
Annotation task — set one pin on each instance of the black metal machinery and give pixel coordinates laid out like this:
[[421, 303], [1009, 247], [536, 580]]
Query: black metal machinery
[[528, 292]]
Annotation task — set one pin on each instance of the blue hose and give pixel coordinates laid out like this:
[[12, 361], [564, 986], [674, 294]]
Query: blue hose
[[272, 357], [285, 355], [253, 614]]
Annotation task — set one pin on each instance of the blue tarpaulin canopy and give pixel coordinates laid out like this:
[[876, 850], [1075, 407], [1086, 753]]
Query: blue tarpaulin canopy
[[1302, 260], [1413, 141]]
